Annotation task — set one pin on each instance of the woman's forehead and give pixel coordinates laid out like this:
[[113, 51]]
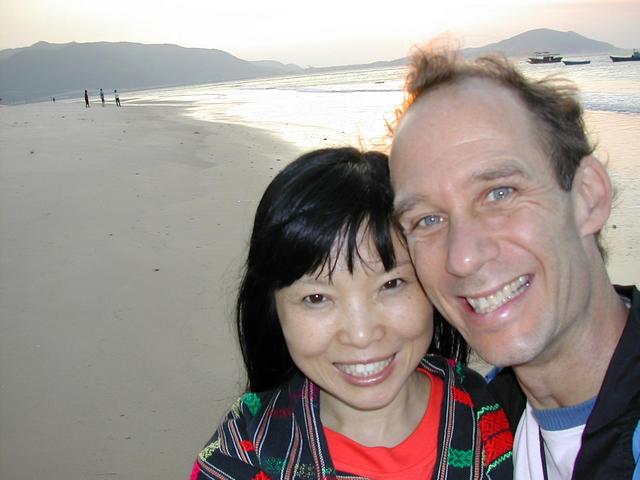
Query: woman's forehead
[[364, 255]]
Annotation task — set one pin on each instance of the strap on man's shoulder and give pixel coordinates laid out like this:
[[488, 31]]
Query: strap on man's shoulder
[[635, 446]]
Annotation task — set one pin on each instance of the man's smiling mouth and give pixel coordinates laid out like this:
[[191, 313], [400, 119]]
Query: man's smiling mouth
[[488, 304]]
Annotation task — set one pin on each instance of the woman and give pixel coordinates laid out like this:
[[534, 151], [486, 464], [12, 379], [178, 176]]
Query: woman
[[334, 328]]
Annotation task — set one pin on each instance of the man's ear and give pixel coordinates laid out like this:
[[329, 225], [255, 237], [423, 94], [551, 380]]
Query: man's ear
[[592, 195]]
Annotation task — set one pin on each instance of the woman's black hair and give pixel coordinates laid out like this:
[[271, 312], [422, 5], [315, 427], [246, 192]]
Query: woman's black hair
[[323, 197]]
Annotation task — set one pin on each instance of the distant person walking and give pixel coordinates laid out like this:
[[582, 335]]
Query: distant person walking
[[54, 99], [102, 97], [115, 93], [86, 99]]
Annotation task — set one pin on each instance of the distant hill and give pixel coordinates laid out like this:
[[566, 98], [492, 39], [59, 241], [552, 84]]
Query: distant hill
[[281, 68], [545, 40], [524, 44], [44, 69]]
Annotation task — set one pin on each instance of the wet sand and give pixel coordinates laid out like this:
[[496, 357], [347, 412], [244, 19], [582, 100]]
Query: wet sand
[[122, 232]]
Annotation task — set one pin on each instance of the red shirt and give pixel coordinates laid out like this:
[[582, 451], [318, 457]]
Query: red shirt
[[415, 457]]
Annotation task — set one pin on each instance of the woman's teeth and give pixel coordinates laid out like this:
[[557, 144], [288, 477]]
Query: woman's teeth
[[364, 369]]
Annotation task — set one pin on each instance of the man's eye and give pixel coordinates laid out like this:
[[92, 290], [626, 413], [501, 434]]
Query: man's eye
[[430, 220], [499, 193], [391, 284], [314, 299]]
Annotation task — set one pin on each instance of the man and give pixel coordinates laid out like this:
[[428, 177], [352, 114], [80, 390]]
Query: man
[[502, 203]]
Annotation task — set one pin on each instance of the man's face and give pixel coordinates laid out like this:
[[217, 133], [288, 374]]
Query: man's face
[[494, 239]]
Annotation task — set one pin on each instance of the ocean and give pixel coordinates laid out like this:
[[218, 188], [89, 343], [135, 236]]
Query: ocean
[[355, 107]]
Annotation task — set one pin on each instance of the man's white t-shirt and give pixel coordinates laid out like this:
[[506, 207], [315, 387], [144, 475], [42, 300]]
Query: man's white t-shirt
[[561, 430]]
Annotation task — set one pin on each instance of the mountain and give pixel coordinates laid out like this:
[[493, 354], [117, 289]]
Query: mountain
[[44, 69], [544, 40], [281, 68]]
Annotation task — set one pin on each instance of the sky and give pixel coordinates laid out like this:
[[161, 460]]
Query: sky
[[311, 33]]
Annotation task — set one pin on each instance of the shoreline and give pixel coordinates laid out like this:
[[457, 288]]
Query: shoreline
[[122, 233]]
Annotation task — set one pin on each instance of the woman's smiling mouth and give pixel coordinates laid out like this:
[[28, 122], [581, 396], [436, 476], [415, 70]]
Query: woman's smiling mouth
[[364, 370]]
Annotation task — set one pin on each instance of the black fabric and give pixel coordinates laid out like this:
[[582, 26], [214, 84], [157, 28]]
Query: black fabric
[[606, 442]]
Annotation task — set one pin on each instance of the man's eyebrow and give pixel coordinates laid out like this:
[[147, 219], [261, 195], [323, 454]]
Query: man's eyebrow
[[497, 173], [406, 204]]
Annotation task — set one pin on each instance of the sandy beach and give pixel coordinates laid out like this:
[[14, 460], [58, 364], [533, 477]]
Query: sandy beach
[[122, 232]]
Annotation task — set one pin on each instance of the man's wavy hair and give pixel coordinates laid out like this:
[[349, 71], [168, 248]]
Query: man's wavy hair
[[551, 101]]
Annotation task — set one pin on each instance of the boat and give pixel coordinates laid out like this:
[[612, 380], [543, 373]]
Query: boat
[[635, 56], [545, 57], [576, 62]]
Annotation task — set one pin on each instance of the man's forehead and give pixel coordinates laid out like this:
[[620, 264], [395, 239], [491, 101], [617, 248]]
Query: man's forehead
[[478, 96], [477, 115]]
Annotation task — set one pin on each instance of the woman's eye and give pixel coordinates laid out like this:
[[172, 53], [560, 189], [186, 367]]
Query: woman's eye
[[314, 299], [500, 193], [430, 220], [391, 284]]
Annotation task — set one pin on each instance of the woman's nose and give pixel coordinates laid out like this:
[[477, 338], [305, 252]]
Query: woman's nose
[[361, 325]]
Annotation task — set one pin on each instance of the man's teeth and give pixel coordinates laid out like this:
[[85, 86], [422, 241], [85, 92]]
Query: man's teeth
[[492, 302], [364, 369]]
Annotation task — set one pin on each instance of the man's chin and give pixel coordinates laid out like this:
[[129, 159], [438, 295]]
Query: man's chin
[[501, 358]]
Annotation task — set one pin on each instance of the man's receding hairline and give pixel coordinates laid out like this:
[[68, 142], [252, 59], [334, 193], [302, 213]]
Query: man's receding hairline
[[457, 86], [461, 86]]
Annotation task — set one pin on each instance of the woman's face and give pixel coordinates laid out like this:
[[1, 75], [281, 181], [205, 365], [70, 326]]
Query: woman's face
[[358, 336]]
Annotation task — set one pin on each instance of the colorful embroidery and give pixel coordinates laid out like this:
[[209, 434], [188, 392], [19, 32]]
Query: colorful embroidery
[[261, 476], [272, 464], [487, 408], [281, 413], [284, 434], [499, 460], [460, 458], [209, 449], [235, 408], [460, 372], [497, 438], [252, 401], [462, 397], [303, 470], [247, 445], [195, 471]]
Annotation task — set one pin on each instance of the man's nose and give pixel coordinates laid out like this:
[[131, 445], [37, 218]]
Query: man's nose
[[470, 244]]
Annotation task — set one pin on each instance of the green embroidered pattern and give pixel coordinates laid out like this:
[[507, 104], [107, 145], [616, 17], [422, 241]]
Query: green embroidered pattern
[[235, 408], [459, 371], [252, 401], [272, 464], [460, 458], [499, 460], [275, 466], [209, 449], [486, 409]]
